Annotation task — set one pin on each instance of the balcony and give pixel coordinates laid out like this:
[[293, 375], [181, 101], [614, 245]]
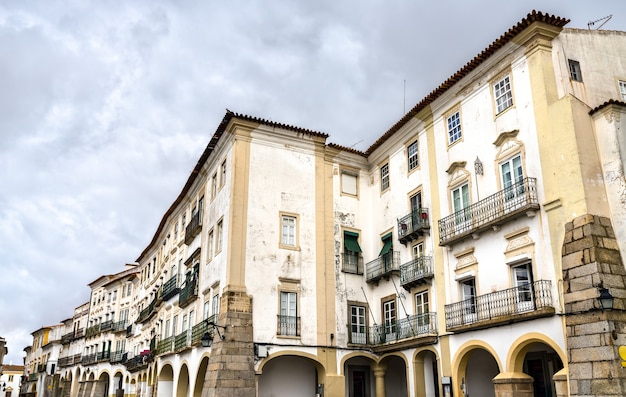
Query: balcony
[[181, 341], [415, 329], [189, 291], [67, 338], [413, 225], [147, 313], [288, 325], [197, 331], [89, 359], [103, 356], [416, 272], [352, 262], [383, 266], [106, 325], [139, 362], [117, 357], [41, 368], [170, 288], [165, 346], [503, 206], [69, 360], [119, 326], [33, 377], [92, 331], [193, 228], [511, 305]]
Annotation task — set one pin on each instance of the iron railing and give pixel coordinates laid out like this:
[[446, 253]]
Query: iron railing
[[92, 331], [170, 288], [180, 340], [136, 363], [104, 356], [414, 326], [413, 225], [505, 303], [106, 325], [70, 360], [119, 326], [189, 291], [147, 313], [382, 266], [165, 345], [193, 228], [89, 359], [352, 262], [197, 331], [117, 356], [288, 325], [418, 269], [493, 210]]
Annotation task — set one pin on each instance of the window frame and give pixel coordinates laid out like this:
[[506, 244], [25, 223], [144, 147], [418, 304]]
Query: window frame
[[296, 226], [349, 172], [455, 131], [412, 158], [362, 336], [502, 90], [222, 174], [575, 72], [385, 180], [219, 236], [621, 86], [291, 300], [349, 253]]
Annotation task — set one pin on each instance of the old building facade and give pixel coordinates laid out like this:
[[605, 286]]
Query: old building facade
[[462, 254]]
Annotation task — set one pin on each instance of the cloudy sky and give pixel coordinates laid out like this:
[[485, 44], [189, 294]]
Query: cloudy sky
[[106, 106]]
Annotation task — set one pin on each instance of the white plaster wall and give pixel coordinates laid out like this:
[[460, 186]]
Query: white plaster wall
[[282, 179]]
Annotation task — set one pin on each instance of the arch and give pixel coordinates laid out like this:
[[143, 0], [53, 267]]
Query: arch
[[515, 357], [272, 356], [200, 375], [460, 365], [165, 381], [368, 356], [92, 376], [182, 386], [290, 374], [427, 363]]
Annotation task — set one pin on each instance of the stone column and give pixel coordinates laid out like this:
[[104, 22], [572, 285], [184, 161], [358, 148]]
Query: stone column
[[513, 384], [560, 383], [231, 365], [379, 375], [591, 260]]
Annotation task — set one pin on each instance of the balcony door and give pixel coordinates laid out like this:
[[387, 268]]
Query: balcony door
[[523, 288], [460, 207], [357, 324], [418, 253], [421, 309], [512, 182], [416, 210], [389, 314], [468, 296], [288, 313]]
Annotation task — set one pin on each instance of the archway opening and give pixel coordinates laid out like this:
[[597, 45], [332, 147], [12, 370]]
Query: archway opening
[[289, 376], [359, 376], [480, 369], [182, 387], [542, 362], [200, 376], [166, 382]]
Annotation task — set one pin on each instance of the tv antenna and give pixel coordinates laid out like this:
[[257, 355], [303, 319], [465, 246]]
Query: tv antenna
[[603, 20]]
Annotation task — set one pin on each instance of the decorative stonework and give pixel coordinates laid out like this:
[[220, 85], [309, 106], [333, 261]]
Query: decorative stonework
[[465, 258]]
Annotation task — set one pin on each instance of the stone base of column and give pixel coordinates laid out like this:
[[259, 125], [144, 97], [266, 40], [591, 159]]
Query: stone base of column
[[230, 372], [560, 383], [513, 384]]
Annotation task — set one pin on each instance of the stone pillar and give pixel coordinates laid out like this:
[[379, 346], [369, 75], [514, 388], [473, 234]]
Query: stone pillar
[[591, 260], [513, 384], [560, 383], [379, 375], [231, 365]]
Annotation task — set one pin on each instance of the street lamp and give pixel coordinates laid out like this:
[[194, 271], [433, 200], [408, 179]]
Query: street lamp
[[207, 337], [606, 299]]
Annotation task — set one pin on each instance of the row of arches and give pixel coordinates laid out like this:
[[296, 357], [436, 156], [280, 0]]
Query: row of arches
[[293, 373]]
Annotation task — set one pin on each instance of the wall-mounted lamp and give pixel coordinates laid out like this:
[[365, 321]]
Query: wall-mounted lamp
[[606, 299], [207, 337]]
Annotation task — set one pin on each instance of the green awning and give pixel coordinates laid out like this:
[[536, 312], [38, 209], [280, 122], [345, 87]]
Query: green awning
[[351, 241], [387, 244]]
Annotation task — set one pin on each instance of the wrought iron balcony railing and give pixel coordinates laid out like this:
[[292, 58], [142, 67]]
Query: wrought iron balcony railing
[[352, 262], [92, 331], [165, 345], [418, 271], [136, 363], [69, 360], [67, 338], [197, 331], [117, 357], [415, 326], [170, 288], [189, 291], [382, 266], [103, 356], [502, 306], [33, 377], [119, 326], [413, 225], [147, 313], [181, 340], [194, 227], [89, 359], [106, 325], [288, 325], [518, 199]]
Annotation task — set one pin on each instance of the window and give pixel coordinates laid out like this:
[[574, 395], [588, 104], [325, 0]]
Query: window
[[200, 208], [418, 250], [412, 156], [10, 378], [389, 316], [123, 290], [114, 295], [220, 236], [210, 245], [502, 94], [176, 231], [174, 322], [214, 186], [215, 305], [358, 324], [184, 326], [454, 127], [206, 310], [460, 206], [384, 177], [422, 311], [167, 329], [183, 221], [622, 89], [512, 178], [288, 234], [223, 174], [468, 297], [387, 252], [288, 322], [352, 260], [522, 276], [574, 70], [349, 181], [416, 203]]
